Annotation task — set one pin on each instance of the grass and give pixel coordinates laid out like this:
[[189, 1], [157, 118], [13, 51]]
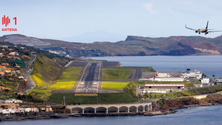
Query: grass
[[198, 81], [37, 79], [40, 94], [113, 85], [68, 79], [115, 73], [150, 70], [188, 85], [102, 98]]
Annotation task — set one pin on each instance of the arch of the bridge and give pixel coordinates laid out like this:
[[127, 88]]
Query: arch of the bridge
[[133, 109], [89, 110], [124, 109], [140, 108], [111, 108], [101, 110], [146, 108], [77, 110]]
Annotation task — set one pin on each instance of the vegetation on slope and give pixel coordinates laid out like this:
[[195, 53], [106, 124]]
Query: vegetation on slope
[[68, 79], [46, 67], [44, 72], [40, 95], [49, 75]]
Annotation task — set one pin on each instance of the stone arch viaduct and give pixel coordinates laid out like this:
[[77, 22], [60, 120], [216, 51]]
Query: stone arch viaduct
[[111, 108]]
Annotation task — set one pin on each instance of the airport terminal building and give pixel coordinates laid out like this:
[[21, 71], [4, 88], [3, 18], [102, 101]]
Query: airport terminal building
[[162, 87]]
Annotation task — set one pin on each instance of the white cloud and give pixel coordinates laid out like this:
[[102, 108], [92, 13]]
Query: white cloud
[[149, 8]]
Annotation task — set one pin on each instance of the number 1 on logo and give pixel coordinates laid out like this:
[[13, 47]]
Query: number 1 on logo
[[15, 18]]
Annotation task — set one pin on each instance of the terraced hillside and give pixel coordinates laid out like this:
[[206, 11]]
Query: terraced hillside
[[49, 75], [45, 68]]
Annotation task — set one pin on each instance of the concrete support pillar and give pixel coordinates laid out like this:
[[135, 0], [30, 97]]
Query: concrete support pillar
[[137, 109], [143, 108], [95, 110], [151, 107], [117, 110], [107, 111], [128, 110], [82, 111]]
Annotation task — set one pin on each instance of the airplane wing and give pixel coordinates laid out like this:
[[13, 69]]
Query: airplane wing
[[190, 28]]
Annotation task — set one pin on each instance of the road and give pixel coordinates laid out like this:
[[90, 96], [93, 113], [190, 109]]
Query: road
[[90, 79], [26, 72]]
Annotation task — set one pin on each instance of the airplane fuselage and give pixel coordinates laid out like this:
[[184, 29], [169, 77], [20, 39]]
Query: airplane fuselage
[[202, 30]]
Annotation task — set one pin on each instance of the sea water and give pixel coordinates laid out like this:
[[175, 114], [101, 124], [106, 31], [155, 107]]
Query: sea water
[[208, 64], [206, 115]]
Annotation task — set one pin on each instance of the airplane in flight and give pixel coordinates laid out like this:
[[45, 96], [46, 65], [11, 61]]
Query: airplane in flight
[[203, 30]]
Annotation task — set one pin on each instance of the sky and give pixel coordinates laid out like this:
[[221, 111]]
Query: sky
[[62, 19]]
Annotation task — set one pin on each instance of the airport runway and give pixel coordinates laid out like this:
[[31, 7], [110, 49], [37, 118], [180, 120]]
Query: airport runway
[[90, 79], [138, 74]]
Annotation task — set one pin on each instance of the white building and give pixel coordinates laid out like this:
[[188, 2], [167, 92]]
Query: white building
[[162, 87], [6, 111], [14, 53], [192, 74], [171, 79], [12, 101], [1, 110], [205, 80], [31, 109], [218, 81]]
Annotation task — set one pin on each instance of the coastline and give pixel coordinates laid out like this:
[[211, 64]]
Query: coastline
[[58, 116]]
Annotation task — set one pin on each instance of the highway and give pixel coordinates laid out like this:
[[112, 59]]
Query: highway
[[90, 79], [26, 72]]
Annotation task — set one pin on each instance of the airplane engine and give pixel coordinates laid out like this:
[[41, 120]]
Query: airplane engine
[[196, 31], [206, 33]]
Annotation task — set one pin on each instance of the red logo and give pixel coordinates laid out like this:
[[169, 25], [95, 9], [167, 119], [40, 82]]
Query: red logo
[[6, 22]]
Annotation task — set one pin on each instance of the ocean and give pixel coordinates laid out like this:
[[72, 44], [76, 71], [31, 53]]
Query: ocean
[[206, 115], [208, 64]]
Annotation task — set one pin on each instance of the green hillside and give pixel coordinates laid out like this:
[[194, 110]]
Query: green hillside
[[45, 68]]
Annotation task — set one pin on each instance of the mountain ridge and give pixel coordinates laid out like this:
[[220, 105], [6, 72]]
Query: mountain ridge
[[131, 46]]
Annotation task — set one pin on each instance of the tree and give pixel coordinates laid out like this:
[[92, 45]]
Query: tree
[[150, 94], [19, 97]]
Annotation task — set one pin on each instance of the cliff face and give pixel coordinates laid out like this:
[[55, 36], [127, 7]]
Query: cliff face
[[180, 102], [178, 49]]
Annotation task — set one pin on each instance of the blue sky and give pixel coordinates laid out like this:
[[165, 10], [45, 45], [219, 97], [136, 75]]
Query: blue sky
[[59, 19]]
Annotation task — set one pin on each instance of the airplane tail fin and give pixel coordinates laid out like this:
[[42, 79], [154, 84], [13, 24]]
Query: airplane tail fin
[[207, 24]]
